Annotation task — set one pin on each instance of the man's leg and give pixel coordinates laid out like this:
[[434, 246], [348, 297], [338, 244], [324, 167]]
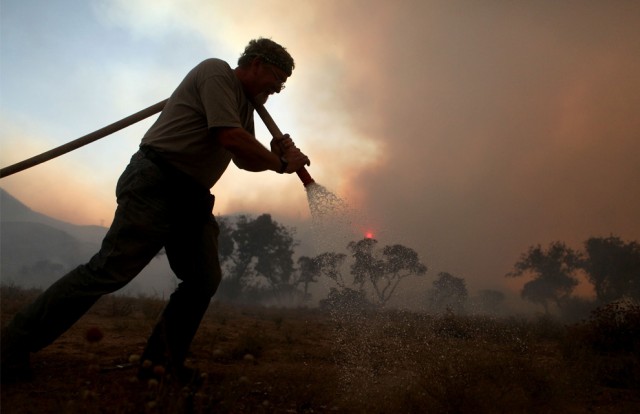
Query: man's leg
[[136, 235], [193, 256], [64, 302]]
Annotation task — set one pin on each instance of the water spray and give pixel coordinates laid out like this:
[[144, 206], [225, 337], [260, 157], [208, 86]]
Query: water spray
[[331, 216], [303, 174]]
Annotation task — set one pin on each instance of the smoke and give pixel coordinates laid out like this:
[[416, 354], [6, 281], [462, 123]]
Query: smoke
[[465, 130], [501, 126]]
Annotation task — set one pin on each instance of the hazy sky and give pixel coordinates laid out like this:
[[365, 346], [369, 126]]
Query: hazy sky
[[467, 130]]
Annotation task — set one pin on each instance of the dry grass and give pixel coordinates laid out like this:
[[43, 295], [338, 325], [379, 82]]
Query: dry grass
[[266, 360]]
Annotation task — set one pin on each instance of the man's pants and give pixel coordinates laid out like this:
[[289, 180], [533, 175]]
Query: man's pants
[[154, 211]]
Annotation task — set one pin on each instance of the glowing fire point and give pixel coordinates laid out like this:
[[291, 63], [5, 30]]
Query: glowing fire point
[[368, 235]]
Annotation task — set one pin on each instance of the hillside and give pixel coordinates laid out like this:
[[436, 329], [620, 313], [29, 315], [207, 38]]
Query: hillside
[[35, 250], [13, 210]]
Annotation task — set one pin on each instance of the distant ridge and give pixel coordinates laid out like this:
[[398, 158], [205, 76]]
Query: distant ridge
[[36, 250], [14, 211]]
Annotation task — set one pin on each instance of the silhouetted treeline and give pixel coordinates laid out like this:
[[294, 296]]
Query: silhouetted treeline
[[257, 255], [611, 265]]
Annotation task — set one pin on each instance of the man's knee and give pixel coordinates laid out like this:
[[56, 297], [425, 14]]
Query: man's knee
[[203, 287], [210, 286]]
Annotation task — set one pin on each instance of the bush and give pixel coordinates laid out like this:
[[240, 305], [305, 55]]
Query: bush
[[610, 342], [346, 300], [613, 328]]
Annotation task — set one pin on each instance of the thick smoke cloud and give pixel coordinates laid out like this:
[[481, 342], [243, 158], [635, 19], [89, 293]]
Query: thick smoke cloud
[[501, 125], [466, 130]]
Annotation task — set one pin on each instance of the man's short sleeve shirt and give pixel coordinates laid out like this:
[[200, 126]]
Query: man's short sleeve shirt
[[210, 96]]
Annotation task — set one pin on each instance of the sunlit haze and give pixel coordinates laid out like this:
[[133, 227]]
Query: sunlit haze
[[465, 130]]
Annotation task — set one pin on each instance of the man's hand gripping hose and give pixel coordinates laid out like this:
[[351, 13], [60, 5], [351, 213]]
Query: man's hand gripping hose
[[303, 174]]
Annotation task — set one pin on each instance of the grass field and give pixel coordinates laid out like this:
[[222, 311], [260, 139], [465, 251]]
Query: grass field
[[268, 360]]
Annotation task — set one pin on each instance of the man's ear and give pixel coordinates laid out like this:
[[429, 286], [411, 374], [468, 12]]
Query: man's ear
[[256, 62]]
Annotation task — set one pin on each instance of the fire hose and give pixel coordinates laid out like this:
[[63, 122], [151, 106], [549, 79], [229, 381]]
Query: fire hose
[[123, 123], [303, 174]]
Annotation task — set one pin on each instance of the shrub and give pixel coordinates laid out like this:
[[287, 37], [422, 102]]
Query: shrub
[[609, 342], [346, 300], [613, 328]]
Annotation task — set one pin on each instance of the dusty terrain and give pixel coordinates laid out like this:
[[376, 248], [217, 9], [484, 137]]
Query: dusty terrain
[[264, 360]]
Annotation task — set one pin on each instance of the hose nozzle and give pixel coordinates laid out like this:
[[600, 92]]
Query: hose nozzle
[[305, 177]]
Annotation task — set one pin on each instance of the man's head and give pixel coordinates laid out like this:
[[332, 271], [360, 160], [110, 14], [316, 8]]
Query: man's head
[[263, 68], [270, 52]]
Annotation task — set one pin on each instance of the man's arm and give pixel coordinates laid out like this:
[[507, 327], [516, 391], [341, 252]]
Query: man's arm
[[249, 154]]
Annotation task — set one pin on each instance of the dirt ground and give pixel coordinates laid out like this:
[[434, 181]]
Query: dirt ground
[[264, 360]]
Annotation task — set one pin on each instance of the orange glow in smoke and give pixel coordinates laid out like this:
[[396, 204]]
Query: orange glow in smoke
[[368, 235]]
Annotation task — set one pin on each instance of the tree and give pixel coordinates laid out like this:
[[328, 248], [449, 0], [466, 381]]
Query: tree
[[225, 241], [275, 256], [259, 256], [448, 293], [308, 272], [330, 265], [383, 270], [366, 265], [554, 273], [613, 267], [373, 271], [399, 262], [326, 264], [542, 291]]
